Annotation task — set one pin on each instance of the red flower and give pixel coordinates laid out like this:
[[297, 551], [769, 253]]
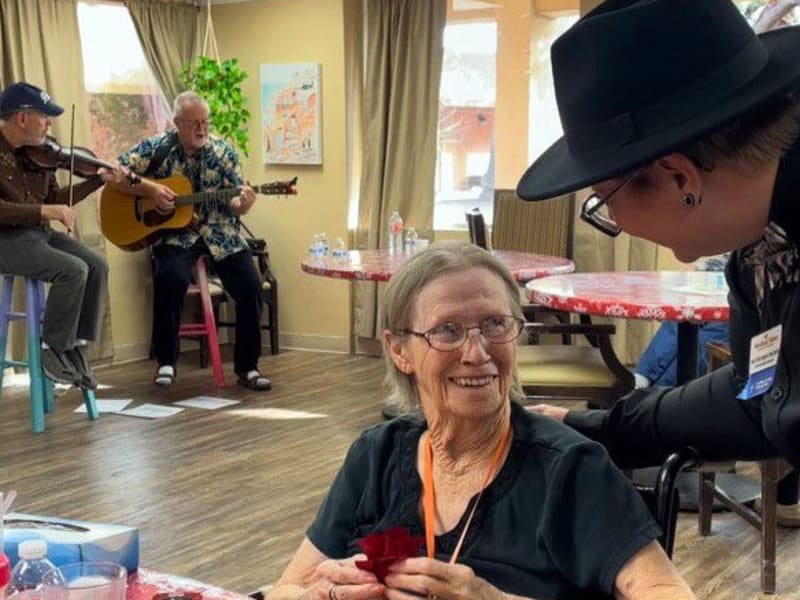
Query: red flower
[[382, 549]]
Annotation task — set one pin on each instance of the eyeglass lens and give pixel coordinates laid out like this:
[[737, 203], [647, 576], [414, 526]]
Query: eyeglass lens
[[497, 330]]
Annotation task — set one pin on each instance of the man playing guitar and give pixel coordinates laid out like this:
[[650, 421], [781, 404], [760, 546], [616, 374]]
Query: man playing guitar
[[210, 164]]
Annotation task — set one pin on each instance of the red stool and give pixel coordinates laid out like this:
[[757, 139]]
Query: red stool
[[208, 327]]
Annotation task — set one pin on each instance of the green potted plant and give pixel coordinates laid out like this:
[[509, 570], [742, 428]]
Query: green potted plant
[[219, 83]]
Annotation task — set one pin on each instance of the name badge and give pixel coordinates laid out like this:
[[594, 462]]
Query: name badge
[[764, 350]]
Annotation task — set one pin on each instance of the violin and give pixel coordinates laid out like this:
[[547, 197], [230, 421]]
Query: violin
[[83, 162]]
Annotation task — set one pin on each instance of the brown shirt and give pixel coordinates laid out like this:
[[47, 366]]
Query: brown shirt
[[24, 187]]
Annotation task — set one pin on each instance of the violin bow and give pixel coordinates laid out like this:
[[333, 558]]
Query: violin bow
[[71, 153]]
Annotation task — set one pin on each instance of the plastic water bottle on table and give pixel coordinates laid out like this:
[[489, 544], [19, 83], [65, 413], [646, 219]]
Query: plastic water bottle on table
[[395, 237]]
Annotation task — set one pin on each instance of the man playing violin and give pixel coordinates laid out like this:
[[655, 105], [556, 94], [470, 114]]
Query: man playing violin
[[210, 164], [30, 200]]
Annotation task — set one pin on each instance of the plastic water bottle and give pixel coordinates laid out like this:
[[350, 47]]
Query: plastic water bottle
[[395, 239], [339, 252], [411, 240], [313, 248], [33, 564], [323, 246]]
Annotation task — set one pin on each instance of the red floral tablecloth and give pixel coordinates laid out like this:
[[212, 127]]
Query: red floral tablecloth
[[379, 265], [657, 295]]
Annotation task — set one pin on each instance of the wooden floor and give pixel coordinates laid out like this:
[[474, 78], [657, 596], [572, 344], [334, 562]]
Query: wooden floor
[[225, 496]]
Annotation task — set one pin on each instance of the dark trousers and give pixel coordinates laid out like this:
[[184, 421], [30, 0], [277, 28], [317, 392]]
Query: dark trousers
[[78, 279], [172, 272]]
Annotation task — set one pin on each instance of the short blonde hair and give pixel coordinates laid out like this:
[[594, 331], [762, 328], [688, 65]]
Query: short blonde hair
[[756, 138], [427, 265]]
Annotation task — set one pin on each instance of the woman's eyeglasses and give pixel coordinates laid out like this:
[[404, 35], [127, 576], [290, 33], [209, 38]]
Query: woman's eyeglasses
[[596, 210], [449, 335]]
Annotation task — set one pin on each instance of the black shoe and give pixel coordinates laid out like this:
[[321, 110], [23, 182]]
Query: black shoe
[[59, 368], [77, 356]]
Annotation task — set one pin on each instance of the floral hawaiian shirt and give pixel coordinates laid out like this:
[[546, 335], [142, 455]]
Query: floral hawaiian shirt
[[215, 166]]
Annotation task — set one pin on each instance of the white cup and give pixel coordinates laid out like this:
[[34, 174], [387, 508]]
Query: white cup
[[421, 243]]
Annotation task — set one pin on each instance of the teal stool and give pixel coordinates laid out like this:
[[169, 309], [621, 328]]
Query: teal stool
[[41, 388]]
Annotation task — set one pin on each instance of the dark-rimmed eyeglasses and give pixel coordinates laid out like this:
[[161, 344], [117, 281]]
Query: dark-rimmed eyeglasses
[[499, 329], [596, 210]]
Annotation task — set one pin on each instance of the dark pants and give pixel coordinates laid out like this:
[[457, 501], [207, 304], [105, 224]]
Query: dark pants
[[172, 271], [78, 279]]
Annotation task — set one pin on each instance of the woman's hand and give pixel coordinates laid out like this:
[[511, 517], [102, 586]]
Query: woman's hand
[[342, 580], [431, 578]]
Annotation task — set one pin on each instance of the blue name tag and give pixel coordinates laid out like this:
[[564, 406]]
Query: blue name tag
[[757, 384], [764, 351]]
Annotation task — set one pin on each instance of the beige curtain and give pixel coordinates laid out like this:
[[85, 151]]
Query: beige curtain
[[169, 37], [594, 251], [40, 44], [401, 55]]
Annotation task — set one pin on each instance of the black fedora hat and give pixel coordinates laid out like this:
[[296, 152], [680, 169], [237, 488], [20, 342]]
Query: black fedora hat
[[637, 79]]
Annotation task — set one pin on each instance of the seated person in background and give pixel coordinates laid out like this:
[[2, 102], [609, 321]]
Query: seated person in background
[[30, 199], [451, 318], [210, 164], [657, 365]]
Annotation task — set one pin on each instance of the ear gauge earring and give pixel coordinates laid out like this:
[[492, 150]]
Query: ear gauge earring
[[690, 201]]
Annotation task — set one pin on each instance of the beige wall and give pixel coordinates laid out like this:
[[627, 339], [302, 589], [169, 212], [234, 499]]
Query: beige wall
[[313, 310]]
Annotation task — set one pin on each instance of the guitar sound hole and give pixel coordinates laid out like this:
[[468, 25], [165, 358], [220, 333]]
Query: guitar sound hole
[[153, 217]]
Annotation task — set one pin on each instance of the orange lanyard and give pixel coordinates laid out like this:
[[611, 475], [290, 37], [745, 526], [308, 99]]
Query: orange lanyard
[[429, 498]]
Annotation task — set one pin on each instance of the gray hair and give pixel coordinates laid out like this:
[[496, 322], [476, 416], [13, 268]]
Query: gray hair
[[429, 264], [185, 98]]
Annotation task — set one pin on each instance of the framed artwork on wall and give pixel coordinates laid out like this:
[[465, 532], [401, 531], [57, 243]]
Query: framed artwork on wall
[[291, 131]]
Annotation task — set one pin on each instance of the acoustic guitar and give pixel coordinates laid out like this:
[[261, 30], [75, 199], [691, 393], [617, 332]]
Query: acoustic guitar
[[132, 222]]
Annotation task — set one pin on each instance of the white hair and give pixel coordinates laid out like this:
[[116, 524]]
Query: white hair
[[185, 98]]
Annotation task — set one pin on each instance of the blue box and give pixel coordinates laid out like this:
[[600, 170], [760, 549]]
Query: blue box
[[73, 541]]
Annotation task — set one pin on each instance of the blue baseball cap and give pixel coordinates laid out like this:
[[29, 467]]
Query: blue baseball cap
[[21, 95]]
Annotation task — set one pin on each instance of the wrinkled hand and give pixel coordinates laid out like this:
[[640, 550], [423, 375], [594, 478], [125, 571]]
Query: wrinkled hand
[[118, 174], [351, 582], [241, 204], [59, 212], [164, 198], [428, 577], [548, 410]]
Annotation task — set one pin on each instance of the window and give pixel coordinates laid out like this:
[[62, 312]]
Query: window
[[125, 104], [497, 109], [464, 169]]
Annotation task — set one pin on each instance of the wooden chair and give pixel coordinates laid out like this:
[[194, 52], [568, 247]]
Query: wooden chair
[[550, 373], [477, 228], [771, 472], [269, 293]]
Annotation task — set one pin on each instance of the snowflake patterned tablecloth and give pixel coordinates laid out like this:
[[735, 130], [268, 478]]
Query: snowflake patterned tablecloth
[[657, 295]]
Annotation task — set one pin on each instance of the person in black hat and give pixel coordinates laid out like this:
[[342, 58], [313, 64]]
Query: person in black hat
[[685, 123], [30, 200]]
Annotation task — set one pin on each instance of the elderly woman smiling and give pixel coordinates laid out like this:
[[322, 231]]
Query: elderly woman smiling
[[510, 504]]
